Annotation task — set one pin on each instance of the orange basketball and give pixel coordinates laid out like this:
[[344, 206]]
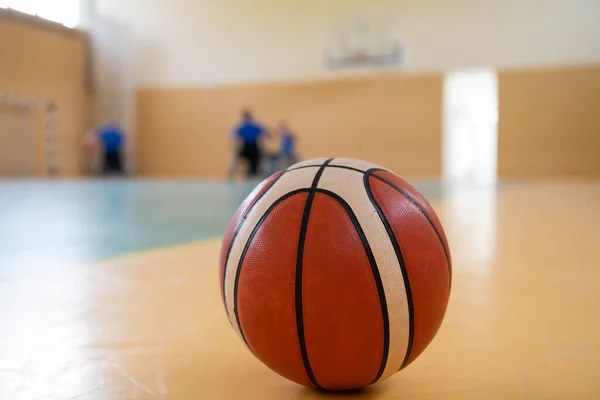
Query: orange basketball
[[335, 273]]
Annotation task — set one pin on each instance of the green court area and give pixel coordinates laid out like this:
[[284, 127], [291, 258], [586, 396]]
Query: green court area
[[82, 221]]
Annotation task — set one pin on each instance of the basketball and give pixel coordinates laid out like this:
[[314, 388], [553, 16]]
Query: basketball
[[335, 273]]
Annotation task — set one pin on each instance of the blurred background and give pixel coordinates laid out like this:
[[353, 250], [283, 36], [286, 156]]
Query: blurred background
[[121, 164], [465, 90]]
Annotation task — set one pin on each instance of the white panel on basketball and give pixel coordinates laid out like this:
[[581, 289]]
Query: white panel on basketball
[[349, 162], [314, 161], [349, 185], [290, 181]]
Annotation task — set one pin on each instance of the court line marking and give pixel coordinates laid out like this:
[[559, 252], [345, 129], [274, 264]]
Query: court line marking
[[137, 384]]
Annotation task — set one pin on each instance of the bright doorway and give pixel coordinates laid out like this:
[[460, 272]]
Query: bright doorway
[[471, 127]]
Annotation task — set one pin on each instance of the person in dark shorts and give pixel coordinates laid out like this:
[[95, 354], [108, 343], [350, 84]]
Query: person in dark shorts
[[247, 136], [112, 140]]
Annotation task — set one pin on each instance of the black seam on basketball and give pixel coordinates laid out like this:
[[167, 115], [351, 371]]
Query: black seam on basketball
[[243, 256], [303, 167], [298, 283], [328, 166], [235, 234], [376, 276], [396, 246], [370, 172]]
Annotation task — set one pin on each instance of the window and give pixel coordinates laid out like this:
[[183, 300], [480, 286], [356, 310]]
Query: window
[[64, 12]]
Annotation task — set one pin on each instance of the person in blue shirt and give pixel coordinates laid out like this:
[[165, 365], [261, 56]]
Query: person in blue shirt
[[112, 140], [247, 142], [287, 153]]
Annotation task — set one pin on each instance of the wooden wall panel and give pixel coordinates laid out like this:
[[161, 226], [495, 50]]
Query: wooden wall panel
[[392, 120], [549, 124], [46, 60], [12, 142]]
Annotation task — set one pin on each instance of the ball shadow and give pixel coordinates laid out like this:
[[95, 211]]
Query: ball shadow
[[369, 392]]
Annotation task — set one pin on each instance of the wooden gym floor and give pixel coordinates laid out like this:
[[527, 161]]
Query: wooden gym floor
[[523, 319]]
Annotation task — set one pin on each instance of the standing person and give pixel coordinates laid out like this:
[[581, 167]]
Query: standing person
[[247, 143], [112, 140], [287, 153]]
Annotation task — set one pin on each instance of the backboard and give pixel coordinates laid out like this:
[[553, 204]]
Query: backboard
[[364, 41]]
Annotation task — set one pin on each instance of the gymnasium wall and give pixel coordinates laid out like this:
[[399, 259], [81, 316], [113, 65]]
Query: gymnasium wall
[[206, 42], [48, 61], [549, 124], [392, 120], [197, 62]]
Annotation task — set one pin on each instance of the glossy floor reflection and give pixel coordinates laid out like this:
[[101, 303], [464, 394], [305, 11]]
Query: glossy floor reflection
[[522, 321]]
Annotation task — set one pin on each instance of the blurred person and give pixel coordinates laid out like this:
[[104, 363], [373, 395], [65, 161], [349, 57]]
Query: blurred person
[[235, 156], [112, 143], [271, 156], [247, 144], [90, 147], [288, 155]]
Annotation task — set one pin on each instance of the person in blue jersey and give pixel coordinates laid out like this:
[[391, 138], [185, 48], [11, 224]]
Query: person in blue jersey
[[287, 152], [248, 136], [112, 141]]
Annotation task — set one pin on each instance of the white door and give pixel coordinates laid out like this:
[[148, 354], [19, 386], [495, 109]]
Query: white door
[[471, 127]]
